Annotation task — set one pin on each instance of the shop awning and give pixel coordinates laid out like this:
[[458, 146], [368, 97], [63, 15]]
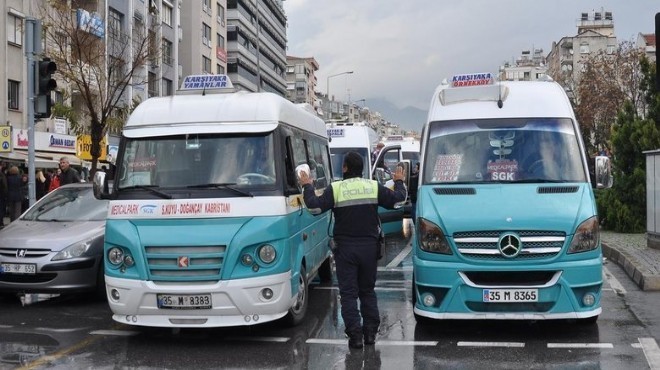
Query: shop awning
[[41, 160]]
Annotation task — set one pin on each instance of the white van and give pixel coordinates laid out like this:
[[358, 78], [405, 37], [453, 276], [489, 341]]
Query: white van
[[205, 226], [360, 138]]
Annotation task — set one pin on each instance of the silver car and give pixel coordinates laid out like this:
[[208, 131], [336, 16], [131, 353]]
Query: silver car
[[56, 246]]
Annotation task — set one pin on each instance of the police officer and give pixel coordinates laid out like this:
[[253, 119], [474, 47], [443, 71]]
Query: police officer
[[355, 202]]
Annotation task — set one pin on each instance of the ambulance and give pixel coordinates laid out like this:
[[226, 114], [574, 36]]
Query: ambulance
[[360, 138], [205, 226], [507, 226]]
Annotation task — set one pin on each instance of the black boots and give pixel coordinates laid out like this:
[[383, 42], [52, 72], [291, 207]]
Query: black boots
[[354, 338], [370, 335]]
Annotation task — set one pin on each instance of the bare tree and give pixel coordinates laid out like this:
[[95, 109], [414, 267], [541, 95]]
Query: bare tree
[[100, 68]]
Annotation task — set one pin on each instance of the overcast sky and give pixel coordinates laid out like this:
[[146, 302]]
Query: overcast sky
[[400, 50]]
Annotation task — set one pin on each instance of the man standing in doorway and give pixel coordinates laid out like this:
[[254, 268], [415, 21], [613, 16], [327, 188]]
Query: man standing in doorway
[[69, 175], [354, 202]]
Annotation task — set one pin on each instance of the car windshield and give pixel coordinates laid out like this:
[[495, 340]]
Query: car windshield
[[68, 204], [197, 161], [503, 150], [337, 158]]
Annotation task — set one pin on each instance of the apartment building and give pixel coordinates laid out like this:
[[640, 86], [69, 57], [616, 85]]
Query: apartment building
[[647, 43], [203, 37], [301, 80], [595, 32], [530, 66], [256, 45]]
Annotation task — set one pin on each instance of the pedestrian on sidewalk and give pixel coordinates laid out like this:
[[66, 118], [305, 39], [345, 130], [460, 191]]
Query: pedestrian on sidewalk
[[69, 174], [14, 193]]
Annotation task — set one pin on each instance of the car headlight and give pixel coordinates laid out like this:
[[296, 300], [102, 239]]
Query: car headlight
[[587, 236], [267, 253], [115, 256], [431, 238], [74, 250]]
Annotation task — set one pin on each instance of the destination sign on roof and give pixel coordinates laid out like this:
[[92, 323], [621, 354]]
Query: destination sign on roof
[[195, 82], [335, 132], [472, 79]]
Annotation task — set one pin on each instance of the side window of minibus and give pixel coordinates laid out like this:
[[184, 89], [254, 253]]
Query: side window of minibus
[[289, 165]]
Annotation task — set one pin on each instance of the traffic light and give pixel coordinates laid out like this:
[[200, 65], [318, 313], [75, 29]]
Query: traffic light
[[45, 84]]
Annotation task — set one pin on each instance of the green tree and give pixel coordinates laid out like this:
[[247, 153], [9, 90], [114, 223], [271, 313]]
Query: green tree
[[623, 207]]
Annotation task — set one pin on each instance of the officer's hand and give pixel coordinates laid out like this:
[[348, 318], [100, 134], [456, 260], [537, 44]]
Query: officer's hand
[[398, 174], [304, 179]]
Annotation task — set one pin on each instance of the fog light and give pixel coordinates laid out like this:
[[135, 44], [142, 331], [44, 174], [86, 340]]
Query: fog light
[[114, 294], [246, 259], [129, 261], [255, 267], [267, 293], [589, 299], [428, 299]]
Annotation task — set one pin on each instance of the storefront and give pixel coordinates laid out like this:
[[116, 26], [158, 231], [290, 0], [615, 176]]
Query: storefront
[[48, 149]]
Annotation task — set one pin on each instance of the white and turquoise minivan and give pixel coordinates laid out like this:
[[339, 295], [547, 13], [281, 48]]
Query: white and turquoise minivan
[[206, 226], [506, 224]]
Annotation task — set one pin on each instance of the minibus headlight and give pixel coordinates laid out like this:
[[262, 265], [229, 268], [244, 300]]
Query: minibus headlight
[[431, 238], [115, 256], [267, 253], [587, 236]]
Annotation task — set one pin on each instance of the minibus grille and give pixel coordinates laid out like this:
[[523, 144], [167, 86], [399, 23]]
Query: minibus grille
[[185, 263], [482, 245]]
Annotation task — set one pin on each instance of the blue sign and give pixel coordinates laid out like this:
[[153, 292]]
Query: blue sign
[[90, 22]]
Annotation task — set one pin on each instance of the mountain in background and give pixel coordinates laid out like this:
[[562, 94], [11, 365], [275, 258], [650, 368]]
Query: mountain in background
[[408, 118]]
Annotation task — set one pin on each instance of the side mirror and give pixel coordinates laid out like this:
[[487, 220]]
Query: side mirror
[[603, 172], [100, 186]]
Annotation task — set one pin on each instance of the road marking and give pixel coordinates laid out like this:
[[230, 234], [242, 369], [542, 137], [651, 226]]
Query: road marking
[[343, 342], [400, 257], [651, 351], [636, 345], [396, 269], [261, 339], [614, 283], [45, 360], [580, 345], [491, 344], [119, 333]]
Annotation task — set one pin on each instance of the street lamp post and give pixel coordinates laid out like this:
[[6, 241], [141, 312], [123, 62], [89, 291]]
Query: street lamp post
[[327, 85]]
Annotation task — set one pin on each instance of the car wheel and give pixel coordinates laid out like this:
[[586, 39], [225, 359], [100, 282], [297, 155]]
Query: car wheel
[[297, 312]]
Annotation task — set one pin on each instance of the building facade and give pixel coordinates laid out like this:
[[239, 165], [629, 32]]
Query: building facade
[[530, 66], [301, 80]]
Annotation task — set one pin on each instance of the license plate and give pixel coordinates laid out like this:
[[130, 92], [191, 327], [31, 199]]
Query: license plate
[[510, 295], [18, 268], [184, 302]]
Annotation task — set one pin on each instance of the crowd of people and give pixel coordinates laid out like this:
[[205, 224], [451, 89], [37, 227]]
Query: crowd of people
[[14, 196]]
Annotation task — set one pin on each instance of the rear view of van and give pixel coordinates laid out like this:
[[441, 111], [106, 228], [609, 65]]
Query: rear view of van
[[507, 226]]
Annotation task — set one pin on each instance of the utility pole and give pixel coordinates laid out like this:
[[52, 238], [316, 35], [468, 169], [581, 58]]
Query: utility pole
[[32, 48]]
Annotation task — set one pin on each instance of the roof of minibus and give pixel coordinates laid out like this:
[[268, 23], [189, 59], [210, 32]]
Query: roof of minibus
[[218, 112], [353, 137], [520, 99]]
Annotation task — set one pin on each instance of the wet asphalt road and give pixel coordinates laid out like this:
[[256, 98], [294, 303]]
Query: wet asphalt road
[[76, 332]]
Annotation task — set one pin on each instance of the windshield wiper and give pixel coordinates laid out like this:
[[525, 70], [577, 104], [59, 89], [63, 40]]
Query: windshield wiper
[[529, 181], [151, 189], [223, 185]]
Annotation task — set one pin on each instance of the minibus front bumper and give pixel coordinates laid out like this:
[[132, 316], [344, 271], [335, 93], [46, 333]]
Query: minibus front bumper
[[569, 290], [233, 302]]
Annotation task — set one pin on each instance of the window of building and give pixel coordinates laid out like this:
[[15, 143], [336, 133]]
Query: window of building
[[611, 49], [167, 87], [14, 30], [206, 34], [584, 48], [207, 6], [221, 41], [152, 84], [114, 22], [167, 52], [167, 14], [290, 69], [221, 14], [13, 89], [59, 97], [220, 69], [206, 65]]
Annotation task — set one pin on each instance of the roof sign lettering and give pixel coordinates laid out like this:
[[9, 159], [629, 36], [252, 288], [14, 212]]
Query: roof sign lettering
[[208, 82], [472, 79]]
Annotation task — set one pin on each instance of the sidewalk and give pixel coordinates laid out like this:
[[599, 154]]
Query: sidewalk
[[630, 252]]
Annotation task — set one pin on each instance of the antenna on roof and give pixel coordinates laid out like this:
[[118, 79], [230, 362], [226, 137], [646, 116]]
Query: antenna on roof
[[500, 104]]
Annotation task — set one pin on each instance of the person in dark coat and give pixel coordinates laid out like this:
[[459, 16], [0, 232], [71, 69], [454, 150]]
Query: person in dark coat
[[69, 174], [3, 197], [14, 193]]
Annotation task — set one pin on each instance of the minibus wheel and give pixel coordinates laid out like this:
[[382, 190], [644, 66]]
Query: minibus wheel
[[297, 312]]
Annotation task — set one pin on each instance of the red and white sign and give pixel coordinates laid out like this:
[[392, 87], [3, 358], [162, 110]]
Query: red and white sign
[[447, 167], [503, 170]]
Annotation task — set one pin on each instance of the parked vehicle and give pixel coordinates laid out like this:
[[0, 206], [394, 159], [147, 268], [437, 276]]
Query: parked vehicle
[[507, 226], [56, 246]]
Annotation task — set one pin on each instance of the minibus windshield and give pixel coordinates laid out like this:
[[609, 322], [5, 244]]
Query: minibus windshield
[[543, 150], [337, 158], [196, 160]]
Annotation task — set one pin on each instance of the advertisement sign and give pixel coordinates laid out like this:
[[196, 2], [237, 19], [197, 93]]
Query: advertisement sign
[[84, 147]]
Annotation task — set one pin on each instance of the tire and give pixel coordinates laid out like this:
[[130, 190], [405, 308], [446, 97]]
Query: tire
[[325, 271], [297, 312]]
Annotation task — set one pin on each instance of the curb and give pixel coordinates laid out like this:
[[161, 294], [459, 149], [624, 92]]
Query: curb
[[645, 281]]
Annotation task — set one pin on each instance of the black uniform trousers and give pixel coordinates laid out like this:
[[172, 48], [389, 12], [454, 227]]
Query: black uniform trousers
[[357, 264]]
